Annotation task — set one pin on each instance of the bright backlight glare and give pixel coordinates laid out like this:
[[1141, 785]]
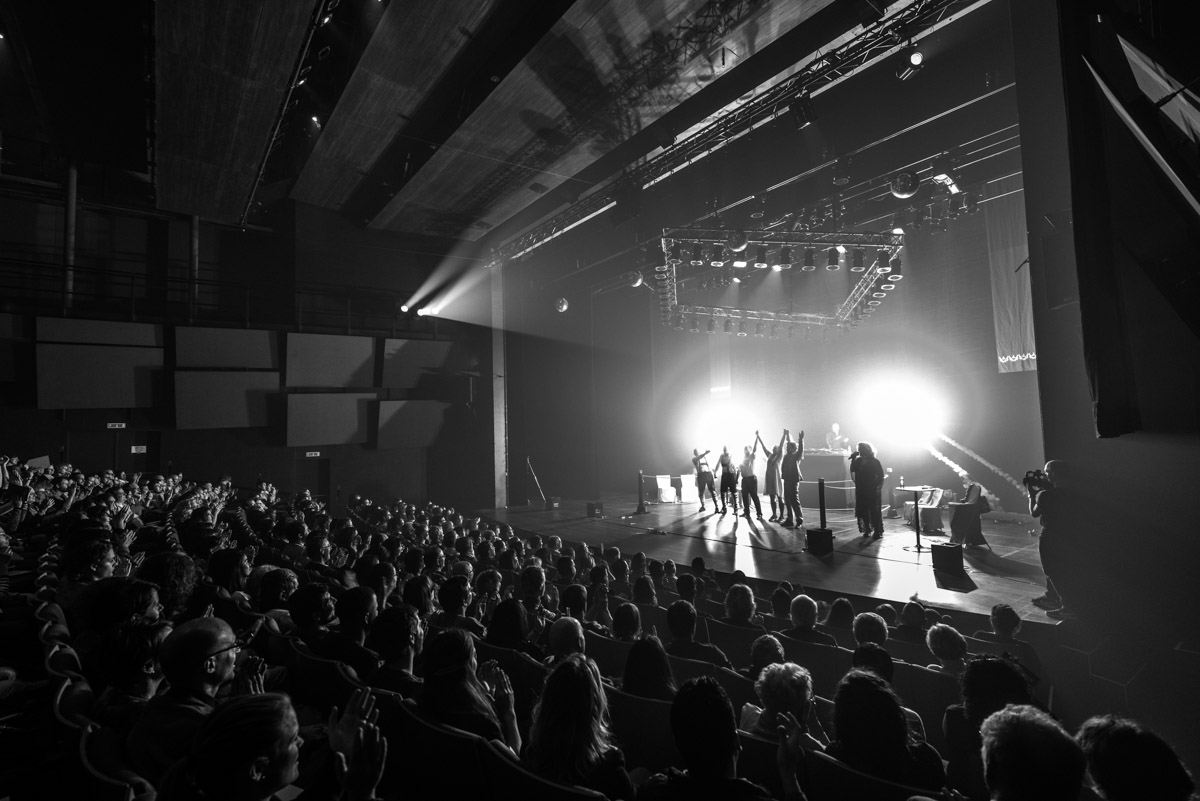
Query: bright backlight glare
[[899, 413], [915, 57], [721, 420], [404, 308]]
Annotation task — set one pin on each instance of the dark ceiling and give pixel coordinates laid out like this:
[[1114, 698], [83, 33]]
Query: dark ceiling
[[462, 121]]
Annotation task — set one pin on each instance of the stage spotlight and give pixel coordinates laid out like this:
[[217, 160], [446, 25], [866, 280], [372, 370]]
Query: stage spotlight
[[856, 261], [712, 326], [404, 308], [678, 321], [742, 328], [888, 287], [802, 111], [902, 421], [881, 259], [774, 331], [421, 312], [758, 330], [697, 255], [841, 171], [760, 208], [874, 302], [810, 260], [831, 259], [718, 256], [739, 262], [729, 326], [897, 224], [970, 203], [785, 259], [695, 325], [913, 62], [879, 294], [760, 258], [676, 253], [895, 274]]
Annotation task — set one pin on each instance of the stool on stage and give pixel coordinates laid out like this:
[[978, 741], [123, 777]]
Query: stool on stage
[[666, 492], [930, 510]]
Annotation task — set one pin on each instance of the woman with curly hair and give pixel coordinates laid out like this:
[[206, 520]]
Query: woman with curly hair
[[569, 741], [175, 576], [454, 695]]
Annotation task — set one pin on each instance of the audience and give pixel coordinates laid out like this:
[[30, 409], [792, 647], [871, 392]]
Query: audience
[[1127, 762], [911, 627], [509, 629], [681, 620], [398, 635], [569, 740], [453, 693], [804, 628], [1028, 756], [841, 614], [1006, 625], [356, 612], [648, 671], [740, 607], [950, 648], [566, 638], [627, 622], [870, 627], [454, 596], [132, 672], [784, 688], [765, 650]]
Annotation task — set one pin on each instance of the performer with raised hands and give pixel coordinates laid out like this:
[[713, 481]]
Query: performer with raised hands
[[773, 482], [793, 453], [750, 480], [704, 476], [728, 479]]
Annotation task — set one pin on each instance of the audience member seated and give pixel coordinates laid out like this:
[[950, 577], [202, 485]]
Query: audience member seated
[[841, 614], [620, 586], [175, 575], [418, 593], [197, 658], [384, 580], [226, 573], [681, 620], [765, 650], [781, 600], [273, 592], [988, 685], [487, 595], [870, 627], [784, 688], [804, 623], [398, 635], [509, 629], [694, 590], [569, 740], [627, 622], [643, 591], [950, 648], [705, 732], [83, 566], [1006, 625], [1028, 756], [670, 574], [356, 612], [648, 671], [566, 638], [911, 627], [888, 613], [872, 734], [132, 672], [533, 599], [312, 610], [564, 572], [598, 612], [872, 657], [1128, 762], [455, 696], [740, 607], [454, 596], [656, 571]]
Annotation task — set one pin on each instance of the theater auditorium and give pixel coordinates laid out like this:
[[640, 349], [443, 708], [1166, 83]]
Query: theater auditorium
[[583, 399]]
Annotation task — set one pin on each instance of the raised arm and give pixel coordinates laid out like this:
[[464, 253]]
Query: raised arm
[[786, 438]]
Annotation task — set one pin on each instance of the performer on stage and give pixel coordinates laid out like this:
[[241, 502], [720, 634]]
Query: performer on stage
[[750, 480], [774, 482], [728, 479], [867, 473], [834, 440], [704, 476], [1064, 510], [793, 453]]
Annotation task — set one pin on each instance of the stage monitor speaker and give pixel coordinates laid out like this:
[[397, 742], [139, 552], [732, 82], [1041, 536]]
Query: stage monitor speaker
[[553, 502], [819, 541], [947, 557], [595, 509]]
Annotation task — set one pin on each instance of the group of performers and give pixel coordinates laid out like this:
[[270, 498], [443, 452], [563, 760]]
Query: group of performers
[[783, 477]]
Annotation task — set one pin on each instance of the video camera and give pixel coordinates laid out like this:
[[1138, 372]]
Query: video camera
[[1036, 481]]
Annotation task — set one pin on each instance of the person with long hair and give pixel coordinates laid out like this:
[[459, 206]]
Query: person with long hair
[[648, 671], [872, 735], [569, 740], [453, 694], [867, 473], [510, 629]]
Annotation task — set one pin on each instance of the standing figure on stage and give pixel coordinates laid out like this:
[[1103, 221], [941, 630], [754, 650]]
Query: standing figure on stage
[[774, 482], [704, 477], [1064, 509], [793, 453], [867, 473], [835, 440], [750, 480], [728, 479]]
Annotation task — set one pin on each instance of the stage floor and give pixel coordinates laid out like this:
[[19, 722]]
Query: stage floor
[[1010, 572]]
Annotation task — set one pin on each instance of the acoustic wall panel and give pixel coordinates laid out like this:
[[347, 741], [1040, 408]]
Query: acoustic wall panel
[[326, 360], [409, 424], [98, 332], [223, 400], [406, 360], [328, 419], [226, 347], [96, 376]]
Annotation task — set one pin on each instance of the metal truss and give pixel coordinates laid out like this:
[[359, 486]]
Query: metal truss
[[719, 236], [834, 64]]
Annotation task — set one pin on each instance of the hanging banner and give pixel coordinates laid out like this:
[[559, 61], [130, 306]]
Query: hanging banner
[[1008, 253]]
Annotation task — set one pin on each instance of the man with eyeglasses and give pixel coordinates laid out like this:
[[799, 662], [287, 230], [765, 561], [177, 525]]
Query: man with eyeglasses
[[197, 659]]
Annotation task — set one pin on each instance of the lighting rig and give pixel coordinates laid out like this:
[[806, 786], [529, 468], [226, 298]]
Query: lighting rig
[[774, 249]]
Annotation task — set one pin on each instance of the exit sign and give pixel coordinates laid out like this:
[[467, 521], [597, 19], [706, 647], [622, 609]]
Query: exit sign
[[312, 454], [137, 449], [114, 425]]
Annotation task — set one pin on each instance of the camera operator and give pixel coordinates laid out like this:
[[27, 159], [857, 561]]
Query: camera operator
[[1062, 508]]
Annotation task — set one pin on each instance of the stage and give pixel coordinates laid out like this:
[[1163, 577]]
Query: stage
[[1009, 572]]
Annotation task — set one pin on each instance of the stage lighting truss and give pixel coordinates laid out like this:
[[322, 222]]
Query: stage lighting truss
[[678, 242]]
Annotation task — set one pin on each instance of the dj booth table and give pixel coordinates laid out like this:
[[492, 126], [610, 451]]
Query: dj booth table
[[833, 467]]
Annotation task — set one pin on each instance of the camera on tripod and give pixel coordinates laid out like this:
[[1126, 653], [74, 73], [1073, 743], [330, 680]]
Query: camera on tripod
[[1036, 481]]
